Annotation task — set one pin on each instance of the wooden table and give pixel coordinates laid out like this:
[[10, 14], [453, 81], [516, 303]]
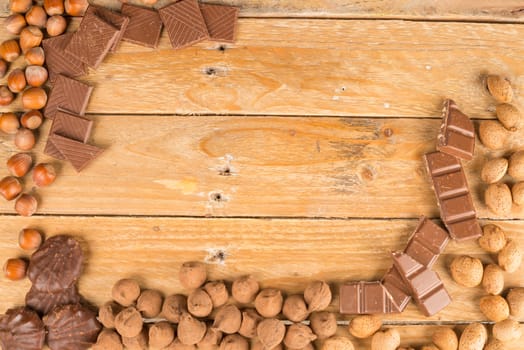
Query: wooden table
[[294, 154]]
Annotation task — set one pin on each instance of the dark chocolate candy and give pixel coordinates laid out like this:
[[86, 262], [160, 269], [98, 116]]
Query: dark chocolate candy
[[78, 153], [184, 23], [21, 329], [71, 327], [425, 285], [43, 302], [68, 125], [221, 21], [59, 61], [453, 195], [56, 265], [116, 19], [145, 25], [366, 298], [69, 95], [457, 133]]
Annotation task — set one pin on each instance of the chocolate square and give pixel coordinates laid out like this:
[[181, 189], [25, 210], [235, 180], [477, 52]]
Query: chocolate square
[[221, 21], [71, 126], [184, 23], [144, 26], [69, 95], [451, 185], [78, 153], [58, 61], [116, 19]]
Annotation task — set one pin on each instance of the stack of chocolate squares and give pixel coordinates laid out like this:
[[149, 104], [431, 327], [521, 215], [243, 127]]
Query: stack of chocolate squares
[[411, 274]]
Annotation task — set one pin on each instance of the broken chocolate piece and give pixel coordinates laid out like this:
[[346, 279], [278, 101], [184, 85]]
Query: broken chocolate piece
[[58, 61], [78, 153], [44, 302], [397, 288], [116, 19], [69, 95], [144, 26], [457, 133], [69, 125], [184, 23], [21, 329], [221, 21], [365, 298]]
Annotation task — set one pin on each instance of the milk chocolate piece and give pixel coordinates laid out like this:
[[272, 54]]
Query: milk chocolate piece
[[144, 26], [365, 298], [69, 95], [116, 19], [56, 265], [221, 21], [399, 291], [43, 302], [93, 40], [78, 153], [425, 285], [69, 125], [71, 327], [21, 329], [457, 133], [184, 23], [59, 61]]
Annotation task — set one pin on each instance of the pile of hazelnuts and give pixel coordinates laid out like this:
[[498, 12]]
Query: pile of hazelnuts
[[214, 316]]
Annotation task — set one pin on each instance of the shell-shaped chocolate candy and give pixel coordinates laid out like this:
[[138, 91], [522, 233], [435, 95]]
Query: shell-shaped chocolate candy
[[71, 327], [21, 329], [56, 265], [43, 302]]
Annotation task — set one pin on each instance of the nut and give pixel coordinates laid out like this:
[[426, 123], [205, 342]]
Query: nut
[[466, 271], [192, 274], [510, 257], [317, 296], [250, 321], [36, 76], [493, 238], [129, 322], [298, 336], [20, 6], [337, 343], [493, 279], [34, 98], [498, 198], [516, 165], [149, 303], [36, 16], [6, 96], [19, 164], [509, 116], [161, 334], [445, 339], [387, 340], [174, 306], [10, 50], [494, 170], [190, 330], [199, 303], [295, 308], [211, 339], [75, 8], [108, 339], [107, 314], [515, 299], [234, 342], [268, 302], [54, 7], [499, 88], [16, 80], [9, 123], [26, 205], [492, 134], [323, 324], [35, 56], [15, 23], [473, 337], [56, 25], [125, 292], [271, 332], [15, 269], [507, 330], [517, 193], [245, 289], [138, 342], [218, 293], [10, 187], [44, 174], [364, 326], [25, 139], [29, 239], [495, 344], [228, 319], [494, 307], [30, 37], [3, 68], [32, 119]]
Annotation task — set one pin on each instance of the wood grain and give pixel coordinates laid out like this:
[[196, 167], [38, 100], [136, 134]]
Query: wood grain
[[315, 67], [255, 167], [281, 253]]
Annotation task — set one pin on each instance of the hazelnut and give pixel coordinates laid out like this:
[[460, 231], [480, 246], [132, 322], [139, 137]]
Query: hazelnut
[[517, 193], [30, 37], [298, 336], [10, 187], [295, 308], [317, 295], [494, 307], [149, 303], [44, 174], [493, 279], [499, 88], [493, 238], [32, 119], [15, 23], [36, 76], [138, 342], [271, 332], [192, 274], [199, 303], [10, 50], [467, 271], [9, 123], [510, 257], [364, 326], [161, 334], [26, 205], [498, 198], [15, 269], [507, 330], [445, 339], [250, 321], [218, 293], [56, 25], [128, 322], [228, 319], [20, 6], [174, 306], [515, 299], [337, 343], [190, 330], [245, 289], [19, 164], [516, 165], [3, 68], [29, 239], [509, 116], [494, 170], [36, 16], [211, 339], [75, 8], [24, 139], [234, 342], [108, 339], [107, 314], [6, 96], [323, 324], [35, 56], [125, 292], [268, 302], [492, 134], [34, 98], [16, 80], [54, 7]]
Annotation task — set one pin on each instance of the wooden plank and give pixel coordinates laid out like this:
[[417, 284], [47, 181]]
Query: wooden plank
[[258, 166], [280, 253], [470, 10], [315, 67]]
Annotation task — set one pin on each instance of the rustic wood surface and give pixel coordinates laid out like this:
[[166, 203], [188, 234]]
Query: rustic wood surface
[[293, 154]]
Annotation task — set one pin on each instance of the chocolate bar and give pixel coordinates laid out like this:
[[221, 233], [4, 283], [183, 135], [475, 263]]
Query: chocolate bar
[[69, 95], [58, 61], [454, 198], [221, 21], [457, 133], [144, 26], [366, 298], [117, 20], [425, 285], [184, 23]]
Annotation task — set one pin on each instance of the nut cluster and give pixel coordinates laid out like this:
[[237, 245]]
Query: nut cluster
[[29, 240]]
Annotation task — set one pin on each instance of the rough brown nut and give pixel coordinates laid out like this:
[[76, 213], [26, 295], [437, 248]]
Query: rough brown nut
[[136, 343], [161, 334], [493, 279], [268, 302], [516, 165], [199, 303], [271, 332], [190, 330], [149, 303], [317, 296], [323, 324], [245, 289], [218, 293], [500, 88], [445, 338], [517, 193], [108, 339], [298, 336], [174, 306], [177, 345], [250, 321], [473, 337], [510, 257], [211, 339], [493, 134], [228, 319], [498, 198], [125, 292], [515, 300], [234, 342], [107, 314], [494, 307], [494, 170], [364, 326], [467, 271], [295, 308], [495, 344], [128, 322], [192, 274], [507, 330], [337, 343], [493, 238], [387, 340], [509, 116]]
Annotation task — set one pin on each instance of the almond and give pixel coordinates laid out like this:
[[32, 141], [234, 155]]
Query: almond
[[516, 165], [510, 257], [467, 271], [494, 170], [498, 198], [474, 337], [493, 134], [509, 116], [494, 307], [493, 279], [493, 238], [499, 88]]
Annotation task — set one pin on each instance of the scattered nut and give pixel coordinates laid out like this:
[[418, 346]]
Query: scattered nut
[[15, 23], [34, 98], [295, 308], [136, 343], [54, 7], [192, 274], [16, 80], [298, 336], [125, 292], [218, 293], [245, 289], [364, 326], [9, 122], [492, 134], [516, 165], [26, 205], [515, 299], [494, 307], [107, 314], [250, 321], [509, 116], [75, 8], [32, 119], [10, 50], [211, 339], [25, 139], [494, 170], [387, 340], [268, 302], [174, 306], [510, 257], [337, 343], [56, 25], [128, 322], [15, 269], [467, 271], [36, 76], [44, 174], [20, 6], [30, 37], [323, 324], [29, 239], [498, 198], [493, 238], [271, 332], [317, 296], [234, 342], [161, 334], [473, 337], [108, 339], [199, 303], [228, 319], [499, 88], [517, 193], [190, 330], [149, 303], [36, 16], [10, 187], [507, 330], [445, 339], [493, 279], [495, 344], [35, 56]]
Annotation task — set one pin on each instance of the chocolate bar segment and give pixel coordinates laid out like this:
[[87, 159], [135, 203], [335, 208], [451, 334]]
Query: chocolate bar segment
[[69, 125], [58, 61], [457, 133], [399, 291], [184, 23], [117, 20], [78, 153], [69, 95], [144, 26], [366, 298], [221, 21]]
